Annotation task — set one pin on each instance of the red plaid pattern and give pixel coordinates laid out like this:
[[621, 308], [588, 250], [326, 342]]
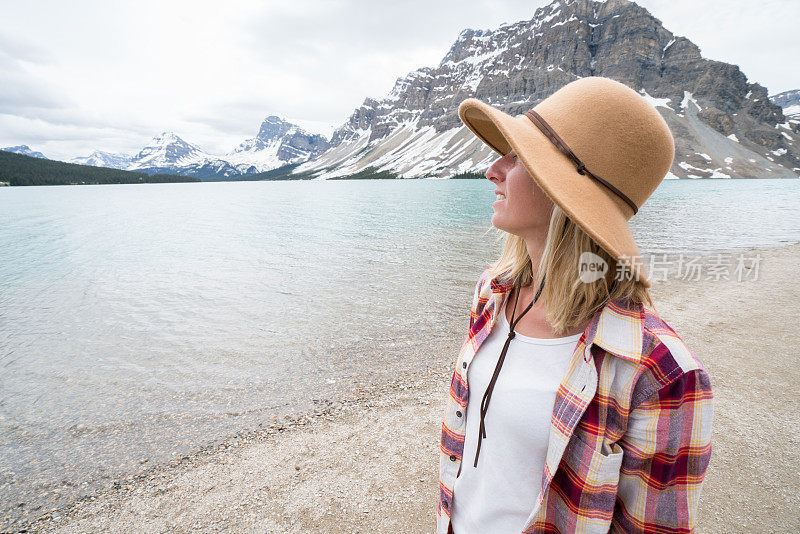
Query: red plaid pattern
[[630, 435]]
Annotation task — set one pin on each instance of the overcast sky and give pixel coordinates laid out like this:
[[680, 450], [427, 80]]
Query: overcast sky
[[83, 75]]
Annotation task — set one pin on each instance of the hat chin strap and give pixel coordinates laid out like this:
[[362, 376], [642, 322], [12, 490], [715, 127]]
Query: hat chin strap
[[548, 131], [487, 396]]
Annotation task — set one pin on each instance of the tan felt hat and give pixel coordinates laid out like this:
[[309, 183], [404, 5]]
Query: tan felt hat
[[596, 147]]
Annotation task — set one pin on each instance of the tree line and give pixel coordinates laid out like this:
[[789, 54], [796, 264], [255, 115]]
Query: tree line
[[17, 169]]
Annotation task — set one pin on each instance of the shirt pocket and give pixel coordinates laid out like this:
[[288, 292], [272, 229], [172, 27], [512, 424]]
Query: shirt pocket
[[592, 483]]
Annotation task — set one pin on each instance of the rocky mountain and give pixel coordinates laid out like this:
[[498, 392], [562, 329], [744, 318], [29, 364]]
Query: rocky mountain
[[169, 154], [724, 125], [99, 158], [277, 143], [789, 101], [25, 150], [167, 149]]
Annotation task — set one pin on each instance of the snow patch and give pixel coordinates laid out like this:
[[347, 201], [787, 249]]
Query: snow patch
[[655, 102], [573, 17], [688, 97], [715, 173], [546, 19]]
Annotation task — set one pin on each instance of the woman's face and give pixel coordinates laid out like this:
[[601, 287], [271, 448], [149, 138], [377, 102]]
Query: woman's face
[[525, 210]]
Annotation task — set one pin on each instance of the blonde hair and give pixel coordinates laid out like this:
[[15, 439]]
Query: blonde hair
[[571, 302]]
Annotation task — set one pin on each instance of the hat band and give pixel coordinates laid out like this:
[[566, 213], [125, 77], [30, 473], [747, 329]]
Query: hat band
[[562, 146]]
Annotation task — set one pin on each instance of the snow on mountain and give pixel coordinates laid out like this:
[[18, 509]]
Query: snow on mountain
[[277, 143], [789, 101], [169, 154], [167, 150], [25, 150], [724, 126], [99, 158]]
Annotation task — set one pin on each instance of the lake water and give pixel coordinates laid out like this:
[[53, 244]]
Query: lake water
[[139, 322]]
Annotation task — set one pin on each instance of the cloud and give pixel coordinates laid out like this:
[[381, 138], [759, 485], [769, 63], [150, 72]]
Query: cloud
[[23, 49], [23, 91], [90, 74]]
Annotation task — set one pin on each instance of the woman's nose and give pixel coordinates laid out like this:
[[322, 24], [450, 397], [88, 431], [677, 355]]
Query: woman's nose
[[494, 173]]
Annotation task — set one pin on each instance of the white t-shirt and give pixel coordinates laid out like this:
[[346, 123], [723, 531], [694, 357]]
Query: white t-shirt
[[498, 495]]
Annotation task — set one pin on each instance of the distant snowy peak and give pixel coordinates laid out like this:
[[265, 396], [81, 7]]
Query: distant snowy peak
[[786, 98], [275, 130], [277, 143], [789, 101], [98, 158], [270, 133], [167, 149], [25, 150], [273, 127]]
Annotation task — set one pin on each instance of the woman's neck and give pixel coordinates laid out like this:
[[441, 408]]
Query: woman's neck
[[534, 323]]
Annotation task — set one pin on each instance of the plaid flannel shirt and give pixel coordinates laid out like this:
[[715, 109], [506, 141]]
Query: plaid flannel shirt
[[630, 434]]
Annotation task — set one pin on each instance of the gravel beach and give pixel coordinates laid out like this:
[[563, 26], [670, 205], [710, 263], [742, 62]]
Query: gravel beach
[[368, 462]]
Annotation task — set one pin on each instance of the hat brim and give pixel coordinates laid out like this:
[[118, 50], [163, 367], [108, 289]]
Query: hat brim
[[598, 211]]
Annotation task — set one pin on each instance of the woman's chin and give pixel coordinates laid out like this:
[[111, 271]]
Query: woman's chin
[[497, 222]]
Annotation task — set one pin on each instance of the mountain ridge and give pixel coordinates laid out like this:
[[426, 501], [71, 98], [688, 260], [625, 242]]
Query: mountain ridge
[[278, 143], [724, 126], [789, 101], [25, 150]]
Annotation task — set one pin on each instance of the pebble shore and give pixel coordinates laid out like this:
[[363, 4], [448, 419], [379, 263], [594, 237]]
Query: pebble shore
[[368, 462]]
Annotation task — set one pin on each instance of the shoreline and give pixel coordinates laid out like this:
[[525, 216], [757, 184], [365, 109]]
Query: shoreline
[[361, 404], [369, 461]]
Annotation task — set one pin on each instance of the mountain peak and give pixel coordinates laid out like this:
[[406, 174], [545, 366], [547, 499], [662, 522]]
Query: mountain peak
[[274, 119], [99, 158], [277, 143], [273, 127], [167, 149], [167, 137], [25, 150], [724, 125]]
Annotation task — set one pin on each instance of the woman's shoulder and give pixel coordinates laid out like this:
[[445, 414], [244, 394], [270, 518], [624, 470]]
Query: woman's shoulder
[[491, 281], [483, 291], [483, 288], [666, 358]]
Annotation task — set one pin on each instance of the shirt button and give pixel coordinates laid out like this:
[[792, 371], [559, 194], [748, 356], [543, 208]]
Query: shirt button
[[453, 458], [464, 365], [444, 504], [458, 413]]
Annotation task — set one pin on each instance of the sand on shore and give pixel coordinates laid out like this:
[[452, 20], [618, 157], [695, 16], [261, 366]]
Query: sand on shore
[[370, 463]]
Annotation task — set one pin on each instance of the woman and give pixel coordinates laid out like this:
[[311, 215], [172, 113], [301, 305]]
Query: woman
[[572, 407]]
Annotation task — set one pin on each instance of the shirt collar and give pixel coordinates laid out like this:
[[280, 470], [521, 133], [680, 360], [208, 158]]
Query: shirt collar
[[618, 327]]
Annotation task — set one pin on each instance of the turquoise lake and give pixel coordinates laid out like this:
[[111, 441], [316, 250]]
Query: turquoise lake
[[140, 322]]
